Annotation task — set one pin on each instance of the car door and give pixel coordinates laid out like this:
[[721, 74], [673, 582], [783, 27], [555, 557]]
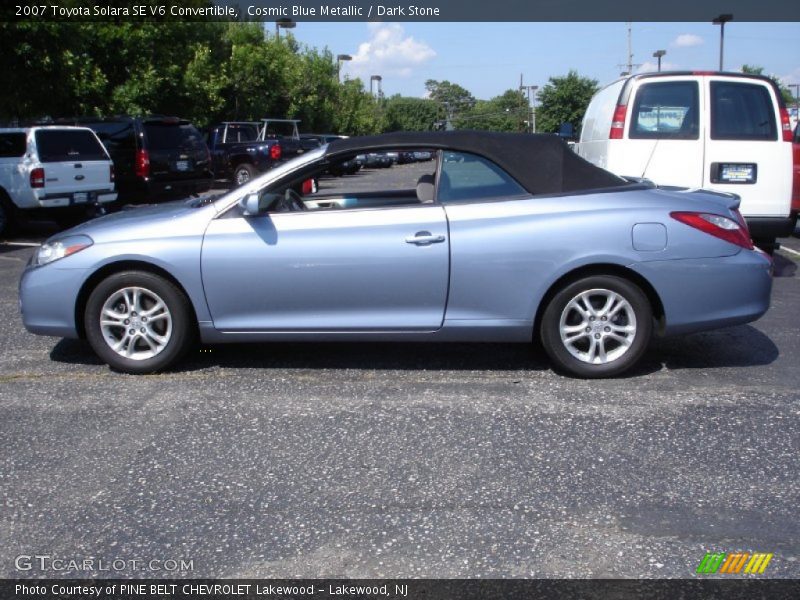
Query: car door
[[745, 153], [378, 269], [664, 140]]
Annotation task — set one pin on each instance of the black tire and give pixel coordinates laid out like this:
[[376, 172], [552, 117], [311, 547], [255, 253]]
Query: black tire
[[7, 217], [564, 360], [180, 338], [243, 173]]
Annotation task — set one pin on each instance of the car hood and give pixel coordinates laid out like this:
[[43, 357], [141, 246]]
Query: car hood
[[182, 217]]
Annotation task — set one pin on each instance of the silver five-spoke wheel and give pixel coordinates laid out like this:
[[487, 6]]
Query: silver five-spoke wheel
[[136, 323], [597, 326], [139, 322]]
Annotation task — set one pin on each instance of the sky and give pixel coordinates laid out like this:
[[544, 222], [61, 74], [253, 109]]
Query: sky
[[488, 58]]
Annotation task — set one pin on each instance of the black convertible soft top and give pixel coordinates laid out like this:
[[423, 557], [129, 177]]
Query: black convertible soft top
[[541, 163]]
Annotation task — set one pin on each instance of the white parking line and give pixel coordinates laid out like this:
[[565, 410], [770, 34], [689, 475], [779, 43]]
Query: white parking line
[[790, 250], [31, 244]]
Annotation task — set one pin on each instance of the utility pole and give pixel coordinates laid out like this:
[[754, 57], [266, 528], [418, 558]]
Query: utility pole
[[630, 64]]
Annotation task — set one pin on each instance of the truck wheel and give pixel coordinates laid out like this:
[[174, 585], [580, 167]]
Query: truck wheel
[[243, 173], [6, 216]]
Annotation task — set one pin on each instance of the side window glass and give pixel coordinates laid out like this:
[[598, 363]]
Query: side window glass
[[467, 177], [12, 144], [667, 110], [741, 111]]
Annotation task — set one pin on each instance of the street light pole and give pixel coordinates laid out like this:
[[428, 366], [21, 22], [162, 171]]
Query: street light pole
[[339, 60], [721, 20], [531, 107], [377, 78], [658, 54], [284, 23]]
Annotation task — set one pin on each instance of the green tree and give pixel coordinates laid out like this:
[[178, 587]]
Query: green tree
[[403, 113], [788, 98], [564, 100], [506, 112], [453, 99]]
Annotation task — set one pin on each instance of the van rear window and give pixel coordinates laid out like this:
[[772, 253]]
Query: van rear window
[[12, 145], [742, 111], [62, 145], [666, 110]]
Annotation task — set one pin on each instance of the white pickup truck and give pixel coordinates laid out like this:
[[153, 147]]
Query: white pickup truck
[[57, 173]]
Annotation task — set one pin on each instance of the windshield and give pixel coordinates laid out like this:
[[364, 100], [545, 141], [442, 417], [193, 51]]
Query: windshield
[[169, 136]]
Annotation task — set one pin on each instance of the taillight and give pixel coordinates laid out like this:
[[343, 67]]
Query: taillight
[[142, 164], [275, 152], [786, 125], [111, 176], [37, 177], [718, 226], [618, 123]]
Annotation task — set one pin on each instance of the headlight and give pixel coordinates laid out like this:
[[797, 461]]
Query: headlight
[[55, 249]]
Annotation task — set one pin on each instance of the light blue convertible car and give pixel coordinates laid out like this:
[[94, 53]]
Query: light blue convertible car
[[502, 238]]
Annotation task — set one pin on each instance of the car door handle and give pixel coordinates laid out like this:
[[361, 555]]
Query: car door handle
[[424, 238]]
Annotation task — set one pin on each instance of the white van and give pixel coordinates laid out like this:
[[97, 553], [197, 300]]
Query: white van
[[61, 173], [728, 132]]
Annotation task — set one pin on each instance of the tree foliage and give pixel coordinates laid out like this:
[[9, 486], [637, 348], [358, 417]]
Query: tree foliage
[[788, 98], [564, 100], [213, 71]]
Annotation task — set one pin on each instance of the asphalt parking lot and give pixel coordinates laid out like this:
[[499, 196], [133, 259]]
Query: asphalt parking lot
[[379, 460]]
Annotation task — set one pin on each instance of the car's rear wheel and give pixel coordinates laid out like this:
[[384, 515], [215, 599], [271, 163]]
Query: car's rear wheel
[[598, 326], [138, 322], [243, 173]]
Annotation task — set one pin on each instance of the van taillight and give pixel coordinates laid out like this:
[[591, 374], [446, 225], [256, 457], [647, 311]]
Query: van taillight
[[618, 123], [786, 125], [111, 175], [142, 164], [37, 177], [275, 152]]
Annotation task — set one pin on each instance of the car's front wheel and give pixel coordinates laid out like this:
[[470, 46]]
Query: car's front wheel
[[138, 322], [598, 326]]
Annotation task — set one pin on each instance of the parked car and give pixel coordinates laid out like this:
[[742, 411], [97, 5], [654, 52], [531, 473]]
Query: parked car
[[377, 160], [721, 131], [240, 150], [486, 249], [349, 167], [59, 173], [155, 157]]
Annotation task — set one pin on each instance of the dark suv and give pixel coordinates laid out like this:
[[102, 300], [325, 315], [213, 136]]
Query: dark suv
[[154, 157]]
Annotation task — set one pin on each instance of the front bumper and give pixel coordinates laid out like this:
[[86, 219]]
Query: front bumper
[[47, 299], [708, 293]]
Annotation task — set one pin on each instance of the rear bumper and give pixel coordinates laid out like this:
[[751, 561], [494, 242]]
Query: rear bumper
[[36, 199], [769, 228], [708, 293]]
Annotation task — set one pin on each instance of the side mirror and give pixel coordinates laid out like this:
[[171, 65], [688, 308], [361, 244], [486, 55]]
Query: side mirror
[[256, 204]]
